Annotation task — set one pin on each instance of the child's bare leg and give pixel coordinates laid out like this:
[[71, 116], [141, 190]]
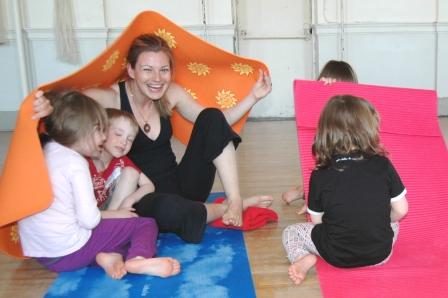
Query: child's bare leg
[[299, 269], [126, 185], [215, 211], [226, 166], [163, 266], [112, 263], [293, 194]]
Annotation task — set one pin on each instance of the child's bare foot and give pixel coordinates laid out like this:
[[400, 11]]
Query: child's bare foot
[[293, 194], [112, 263], [234, 213], [298, 270], [163, 267], [262, 201]]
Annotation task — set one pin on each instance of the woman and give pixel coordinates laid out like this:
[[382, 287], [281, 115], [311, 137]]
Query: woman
[[150, 95]]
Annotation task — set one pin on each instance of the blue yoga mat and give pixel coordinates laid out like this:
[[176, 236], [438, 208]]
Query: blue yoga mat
[[217, 267]]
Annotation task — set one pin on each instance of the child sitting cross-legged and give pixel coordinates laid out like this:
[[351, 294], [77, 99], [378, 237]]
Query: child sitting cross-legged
[[356, 196]]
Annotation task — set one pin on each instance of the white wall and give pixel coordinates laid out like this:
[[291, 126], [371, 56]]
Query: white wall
[[389, 42]]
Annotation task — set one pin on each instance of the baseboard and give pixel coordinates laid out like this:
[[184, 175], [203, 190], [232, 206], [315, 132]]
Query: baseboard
[[443, 106]]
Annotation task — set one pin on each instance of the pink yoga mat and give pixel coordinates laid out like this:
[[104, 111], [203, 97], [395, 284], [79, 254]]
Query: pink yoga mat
[[411, 134]]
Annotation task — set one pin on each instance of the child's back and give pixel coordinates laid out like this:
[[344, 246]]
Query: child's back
[[355, 229], [66, 225]]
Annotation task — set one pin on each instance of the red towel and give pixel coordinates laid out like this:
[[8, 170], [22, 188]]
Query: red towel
[[253, 218]]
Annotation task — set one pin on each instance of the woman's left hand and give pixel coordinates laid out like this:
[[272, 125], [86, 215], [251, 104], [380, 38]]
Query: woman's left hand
[[263, 86]]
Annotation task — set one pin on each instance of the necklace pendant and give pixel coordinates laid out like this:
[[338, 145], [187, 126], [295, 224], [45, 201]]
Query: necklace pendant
[[146, 128]]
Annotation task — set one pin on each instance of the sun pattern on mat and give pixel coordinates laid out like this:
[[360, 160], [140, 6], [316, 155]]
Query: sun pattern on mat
[[199, 68], [111, 60], [242, 69], [193, 94], [124, 64], [225, 99], [14, 233], [167, 36]]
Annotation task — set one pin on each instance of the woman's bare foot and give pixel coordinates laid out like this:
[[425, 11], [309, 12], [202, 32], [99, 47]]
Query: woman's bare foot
[[293, 194], [163, 267], [234, 213], [262, 201], [298, 270], [112, 263]]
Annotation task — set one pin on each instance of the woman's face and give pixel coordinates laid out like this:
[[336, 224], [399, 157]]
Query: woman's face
[[152, 74]]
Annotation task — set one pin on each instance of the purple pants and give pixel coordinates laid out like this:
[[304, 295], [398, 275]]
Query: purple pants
[[130, 237]]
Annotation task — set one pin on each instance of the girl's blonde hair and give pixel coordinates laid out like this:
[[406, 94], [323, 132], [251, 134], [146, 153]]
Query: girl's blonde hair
[[75, 116], [339, 70], [152, 43], [116, 114], [347, 124]]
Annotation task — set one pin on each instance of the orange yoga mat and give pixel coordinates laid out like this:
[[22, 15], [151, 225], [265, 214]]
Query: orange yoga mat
[[213, 77]]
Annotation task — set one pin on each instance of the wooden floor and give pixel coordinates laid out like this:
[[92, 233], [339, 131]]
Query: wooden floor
[[268, 164]]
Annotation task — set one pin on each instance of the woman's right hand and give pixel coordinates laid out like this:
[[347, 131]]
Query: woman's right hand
[[41, 106]]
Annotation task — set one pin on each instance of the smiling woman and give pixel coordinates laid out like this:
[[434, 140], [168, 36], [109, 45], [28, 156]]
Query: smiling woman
[[181, 189]]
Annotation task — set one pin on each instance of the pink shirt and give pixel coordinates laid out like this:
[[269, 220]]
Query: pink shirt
[[66, 225]]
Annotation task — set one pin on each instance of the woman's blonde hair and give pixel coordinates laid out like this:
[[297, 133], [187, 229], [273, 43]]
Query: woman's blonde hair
[[74, 117], [152, 43], [341, 71], [347, 124]]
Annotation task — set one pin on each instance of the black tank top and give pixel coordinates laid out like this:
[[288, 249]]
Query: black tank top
[[155, 158]]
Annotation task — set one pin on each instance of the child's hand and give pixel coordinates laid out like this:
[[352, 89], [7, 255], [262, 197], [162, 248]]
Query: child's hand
[[119, 213], [127, 212], [302, 210], [328, 81], [127, 203]]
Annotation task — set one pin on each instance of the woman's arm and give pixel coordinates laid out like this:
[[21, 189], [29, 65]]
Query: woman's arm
[[261, 88], [190, 109], [107, 97]]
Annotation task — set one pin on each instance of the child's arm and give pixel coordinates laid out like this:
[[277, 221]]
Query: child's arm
[[316, 218], [145, 187], [120, 213], [399, 209]]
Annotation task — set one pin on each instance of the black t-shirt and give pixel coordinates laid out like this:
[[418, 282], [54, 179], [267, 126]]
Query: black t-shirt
[[354, 196]]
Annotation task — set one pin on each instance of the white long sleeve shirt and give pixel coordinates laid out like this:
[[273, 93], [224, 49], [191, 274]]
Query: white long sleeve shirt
[[67, 224]]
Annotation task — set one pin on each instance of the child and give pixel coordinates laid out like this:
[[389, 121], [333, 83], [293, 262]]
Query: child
[[356, 197], [70, 234], [333, 71], [118, 183]]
